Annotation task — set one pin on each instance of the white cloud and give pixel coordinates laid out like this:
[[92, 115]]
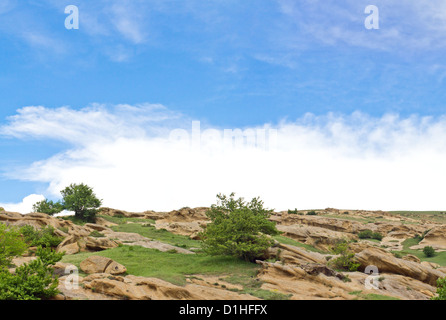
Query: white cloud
[[349, 162], [25, 206]]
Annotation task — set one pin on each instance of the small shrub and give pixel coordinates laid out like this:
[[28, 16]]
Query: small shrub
[[293, 212], [369, 234], [365, 234], [377, 236], [346, 260], [11, 244], [429, 251], [33, 280], [44, 237], [312, 213]]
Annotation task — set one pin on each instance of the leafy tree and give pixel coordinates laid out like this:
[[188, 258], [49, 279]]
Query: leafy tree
[[48, 206], [441, 290], [81, 199], [33, 280], [238, 228], [11, 244]]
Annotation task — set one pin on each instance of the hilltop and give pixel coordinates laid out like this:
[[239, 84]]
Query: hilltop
[[157, 255]]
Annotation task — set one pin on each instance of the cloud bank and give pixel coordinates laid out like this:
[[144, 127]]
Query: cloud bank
[[127, 154]]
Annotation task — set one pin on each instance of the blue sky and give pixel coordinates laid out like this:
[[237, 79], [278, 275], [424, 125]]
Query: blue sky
[[228, 64]]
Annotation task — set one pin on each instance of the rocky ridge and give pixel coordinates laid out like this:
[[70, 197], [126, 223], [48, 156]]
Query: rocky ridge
[[291, 270]]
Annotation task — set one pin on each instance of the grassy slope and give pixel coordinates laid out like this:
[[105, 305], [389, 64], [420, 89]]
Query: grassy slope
[[176, 267], [172, 267], [440, 257]]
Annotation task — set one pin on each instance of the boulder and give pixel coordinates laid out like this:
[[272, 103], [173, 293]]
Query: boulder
[[98, 264], [99, 244]]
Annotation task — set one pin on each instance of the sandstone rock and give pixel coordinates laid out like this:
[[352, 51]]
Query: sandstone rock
[[190, 229], [318, 237], [69, 249], [98, 264], [296, 255], [432, 265], [97, 227], [387, 263], [99, 244], [435, 238], [63, 269], [120, 213], [103, 222], [411, 257], [142, 288]]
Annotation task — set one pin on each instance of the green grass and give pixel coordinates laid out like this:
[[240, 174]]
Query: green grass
[[171, 267], [440, 257], [435, 216], [162, 235], [371, 296], [123, 220]]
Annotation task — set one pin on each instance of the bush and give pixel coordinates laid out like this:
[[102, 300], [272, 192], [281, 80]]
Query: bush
[[346, 260], [365, 234], [293, 211], [377, 236], [81, 199], [369, 234], [33, 280], [429, 251], [44, 237], [441, 290], [11, 244], [49, 207], [238, 228], [312, 213]]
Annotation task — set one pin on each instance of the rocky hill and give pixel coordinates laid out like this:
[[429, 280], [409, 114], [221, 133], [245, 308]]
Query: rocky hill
[[296, 267]]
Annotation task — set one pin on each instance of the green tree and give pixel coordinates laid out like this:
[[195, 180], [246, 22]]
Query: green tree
[[48, 206], [238, 228], [11, 244], [441, 290], [81, 199]]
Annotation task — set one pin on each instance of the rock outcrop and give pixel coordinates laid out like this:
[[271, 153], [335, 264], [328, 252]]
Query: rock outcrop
[[98, 264], [387, 263]]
